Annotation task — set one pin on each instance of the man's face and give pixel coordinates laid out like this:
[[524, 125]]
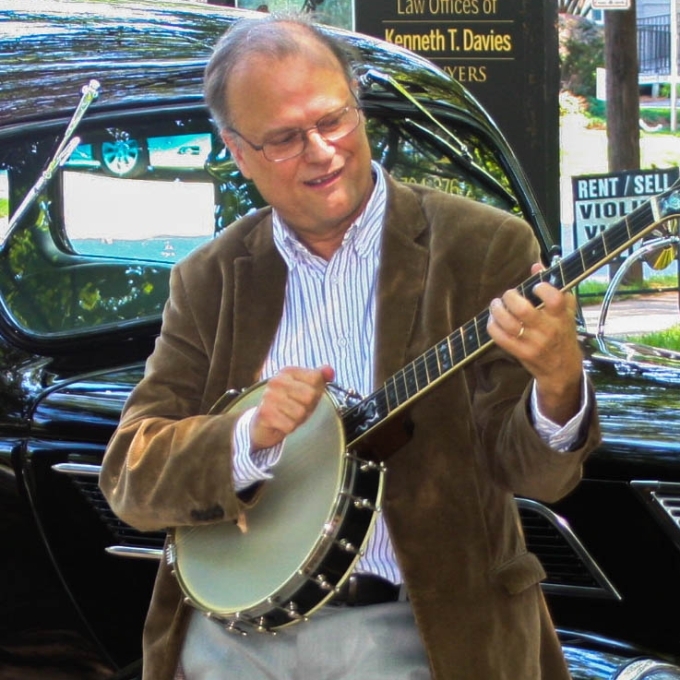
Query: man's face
[[320, 192]]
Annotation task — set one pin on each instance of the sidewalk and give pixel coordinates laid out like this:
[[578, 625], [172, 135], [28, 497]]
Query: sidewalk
[[642, 314]]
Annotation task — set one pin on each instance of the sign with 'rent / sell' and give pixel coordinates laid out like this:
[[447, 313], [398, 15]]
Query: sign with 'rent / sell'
[[603, 200]]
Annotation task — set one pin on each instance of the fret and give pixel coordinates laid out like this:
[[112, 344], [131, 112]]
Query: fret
[[382, 408], [616, 238], [443, 351], [596, 250], [410, 380], [642, 217], [422, 379], [580, 253], [400, 387], [457, 346], [469, 337], [556, 276], [481, 322], [526, 289], [391, 396], [431, 362], [573, 267]]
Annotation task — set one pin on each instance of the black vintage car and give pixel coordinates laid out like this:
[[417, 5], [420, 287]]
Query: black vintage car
[[110, 171]]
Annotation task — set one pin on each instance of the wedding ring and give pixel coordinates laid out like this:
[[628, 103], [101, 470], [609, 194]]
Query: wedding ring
[[521, 331]]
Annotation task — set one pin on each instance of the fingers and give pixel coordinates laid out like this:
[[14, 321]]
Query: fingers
[[514, 318], [542, 337], [507, 317], [289, 398]]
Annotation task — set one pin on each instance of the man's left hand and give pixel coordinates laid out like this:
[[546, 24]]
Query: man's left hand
[[544, 340]]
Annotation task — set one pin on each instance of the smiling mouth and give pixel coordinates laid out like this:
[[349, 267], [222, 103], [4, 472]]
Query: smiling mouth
[[326, 179]]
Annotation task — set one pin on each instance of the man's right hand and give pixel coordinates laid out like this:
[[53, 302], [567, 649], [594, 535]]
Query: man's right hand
[[288, 399]]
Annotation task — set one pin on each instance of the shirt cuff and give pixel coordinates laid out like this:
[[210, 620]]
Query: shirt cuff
[[250, 467], [561, 438]]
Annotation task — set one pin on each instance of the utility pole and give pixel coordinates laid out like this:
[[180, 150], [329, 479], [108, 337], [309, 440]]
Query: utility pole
[[623, 98]]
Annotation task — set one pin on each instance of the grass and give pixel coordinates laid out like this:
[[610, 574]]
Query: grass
[[591, 291], [666, 339], [596, 114]]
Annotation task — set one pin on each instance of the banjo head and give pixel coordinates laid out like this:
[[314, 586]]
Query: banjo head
[[290, 558]]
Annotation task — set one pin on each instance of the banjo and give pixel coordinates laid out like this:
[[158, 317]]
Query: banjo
[[312, 521]]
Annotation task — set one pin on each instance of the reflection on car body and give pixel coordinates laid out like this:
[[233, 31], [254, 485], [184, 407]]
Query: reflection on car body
[[124, 156], [84, 277]]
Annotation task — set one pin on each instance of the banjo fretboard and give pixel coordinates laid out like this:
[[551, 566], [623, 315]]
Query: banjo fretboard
[[458, 349]]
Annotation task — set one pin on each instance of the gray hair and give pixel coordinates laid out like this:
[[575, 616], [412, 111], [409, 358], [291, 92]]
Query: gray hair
[[275, 35]]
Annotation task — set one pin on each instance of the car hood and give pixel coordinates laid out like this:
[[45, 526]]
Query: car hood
[[638, 392]]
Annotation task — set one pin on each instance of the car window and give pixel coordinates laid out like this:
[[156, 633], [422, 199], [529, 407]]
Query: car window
[[129, 194], [417, 153], [138, 194], [4, 205]]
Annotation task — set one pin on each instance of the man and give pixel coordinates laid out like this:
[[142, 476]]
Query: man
[[347, 277]]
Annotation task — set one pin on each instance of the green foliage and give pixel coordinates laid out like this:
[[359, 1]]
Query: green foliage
[[581, 53], [665, 90], [596, 110], [4, 207]]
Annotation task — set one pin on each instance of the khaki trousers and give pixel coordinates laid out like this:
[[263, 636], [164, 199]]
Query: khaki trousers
[[375, 642]]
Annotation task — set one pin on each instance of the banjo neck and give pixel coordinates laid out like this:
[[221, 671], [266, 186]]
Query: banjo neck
[[460, 347]]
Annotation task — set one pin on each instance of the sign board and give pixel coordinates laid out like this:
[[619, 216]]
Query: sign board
[[603, 200], [506, 53], [610, 4]]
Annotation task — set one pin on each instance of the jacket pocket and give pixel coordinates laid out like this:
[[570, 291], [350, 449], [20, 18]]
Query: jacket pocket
[[519, 573]]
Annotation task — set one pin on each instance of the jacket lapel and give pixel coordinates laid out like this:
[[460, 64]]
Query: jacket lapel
[[260, 282], [401, 279]]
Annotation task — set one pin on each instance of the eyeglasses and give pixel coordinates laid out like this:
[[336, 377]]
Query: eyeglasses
[[282, 146]]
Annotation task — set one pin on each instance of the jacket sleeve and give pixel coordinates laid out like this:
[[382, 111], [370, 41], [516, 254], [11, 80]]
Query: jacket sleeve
[[169, 462], [517, 457]]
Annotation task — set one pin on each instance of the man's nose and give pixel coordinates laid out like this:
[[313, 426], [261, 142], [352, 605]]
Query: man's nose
[[316, 146]]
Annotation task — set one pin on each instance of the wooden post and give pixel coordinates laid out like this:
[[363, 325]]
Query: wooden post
[[623, 96], [623, 99]]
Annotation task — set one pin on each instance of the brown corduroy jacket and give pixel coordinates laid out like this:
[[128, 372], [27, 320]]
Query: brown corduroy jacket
[[448, 498]]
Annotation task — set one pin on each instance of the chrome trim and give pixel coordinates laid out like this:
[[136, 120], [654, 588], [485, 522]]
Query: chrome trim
[[74, 469], [663, 499], [606, 587], [86, 470], [643, 668], [137, 553], [643, 250]]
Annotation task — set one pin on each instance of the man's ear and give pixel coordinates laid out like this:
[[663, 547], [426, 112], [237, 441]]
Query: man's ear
[[233, 143]]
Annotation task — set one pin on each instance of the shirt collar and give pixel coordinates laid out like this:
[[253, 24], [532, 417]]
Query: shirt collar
[[362, 235]]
